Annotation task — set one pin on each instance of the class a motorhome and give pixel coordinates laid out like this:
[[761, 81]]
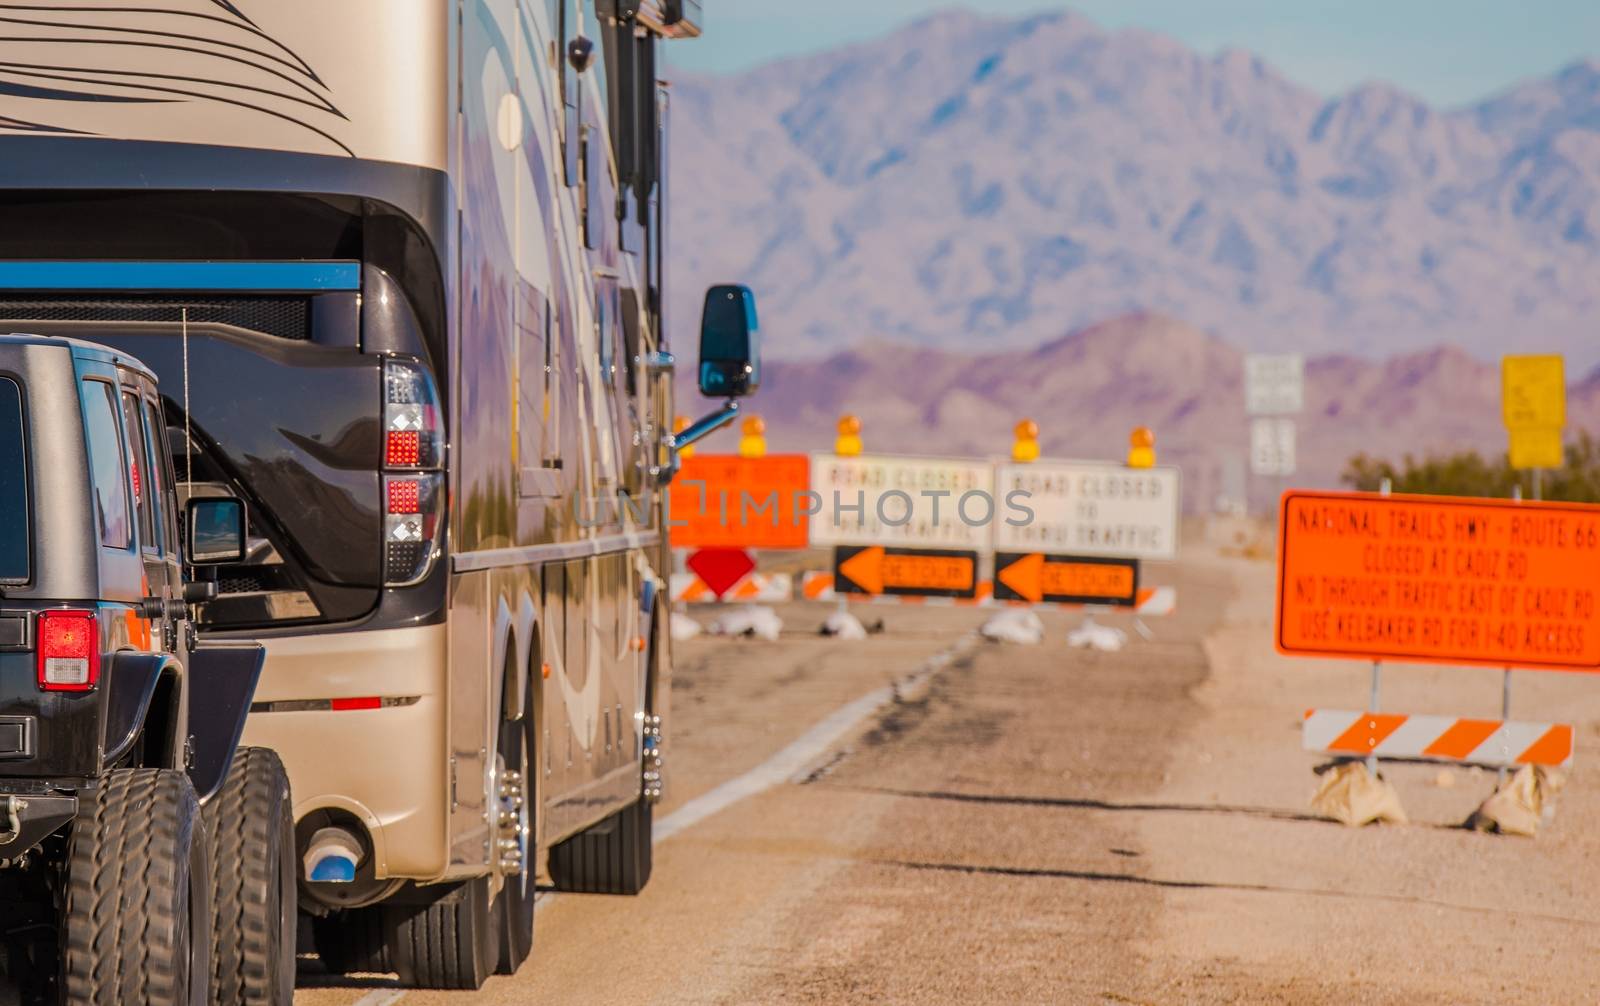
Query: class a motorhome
[[399, 266]]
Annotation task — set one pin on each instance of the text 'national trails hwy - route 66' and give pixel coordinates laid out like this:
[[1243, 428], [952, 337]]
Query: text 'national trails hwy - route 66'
[[1439, 580]]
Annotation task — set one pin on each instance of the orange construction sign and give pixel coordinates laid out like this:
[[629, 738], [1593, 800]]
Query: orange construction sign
[[1066, 579], [725, 501], [1439, 580], [904, 572]]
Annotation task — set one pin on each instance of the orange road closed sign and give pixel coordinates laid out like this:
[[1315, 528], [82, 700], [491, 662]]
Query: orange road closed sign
[[725, 501], [904, 572], [1439, 580], [1065, 579]]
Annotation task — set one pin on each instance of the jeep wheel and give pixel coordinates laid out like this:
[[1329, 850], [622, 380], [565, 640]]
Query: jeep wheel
[[253, 886], [136, 928]]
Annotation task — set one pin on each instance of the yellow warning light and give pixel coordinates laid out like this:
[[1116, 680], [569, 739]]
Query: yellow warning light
[[849, 443], [1026, 447], [752, 439], [678, 426], [1142, 448]]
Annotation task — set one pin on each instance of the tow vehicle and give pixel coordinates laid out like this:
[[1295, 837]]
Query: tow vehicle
[[145, 859]]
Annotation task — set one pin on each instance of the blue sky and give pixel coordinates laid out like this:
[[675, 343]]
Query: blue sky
[[1448, 51]]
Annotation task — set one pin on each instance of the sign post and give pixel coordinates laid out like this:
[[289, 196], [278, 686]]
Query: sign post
[[1274, 392], [1533, 403]]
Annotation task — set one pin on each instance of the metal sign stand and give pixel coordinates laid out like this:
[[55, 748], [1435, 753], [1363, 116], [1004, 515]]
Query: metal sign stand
[[1144, 630], [1505, 678], [1505, 711], [1373, 697], [1372, 707]]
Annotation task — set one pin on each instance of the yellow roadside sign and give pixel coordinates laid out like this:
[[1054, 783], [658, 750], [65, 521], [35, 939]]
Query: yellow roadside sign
[[1537, 448], [1533, 393]]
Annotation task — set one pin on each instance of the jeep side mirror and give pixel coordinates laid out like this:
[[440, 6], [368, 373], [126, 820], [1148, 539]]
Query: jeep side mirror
[[730, 343], [215, 526]]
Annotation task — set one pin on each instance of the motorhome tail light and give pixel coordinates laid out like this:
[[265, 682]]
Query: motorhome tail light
[[413, 525], [413, 436], [402, 449], [405, 496], [69, 651]]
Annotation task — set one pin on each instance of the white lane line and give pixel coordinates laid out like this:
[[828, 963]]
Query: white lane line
[[794, 759], [787, 764]]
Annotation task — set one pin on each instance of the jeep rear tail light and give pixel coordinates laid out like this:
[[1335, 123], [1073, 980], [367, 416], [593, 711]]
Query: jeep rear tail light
[[69, 651], [413, 526], [413, 435]]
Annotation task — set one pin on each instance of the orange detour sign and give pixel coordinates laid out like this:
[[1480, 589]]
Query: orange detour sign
[[904, 572], [726, 501], [1439, 580], [1065, 579]]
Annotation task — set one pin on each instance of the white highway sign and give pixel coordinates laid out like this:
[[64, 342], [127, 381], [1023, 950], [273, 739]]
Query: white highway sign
[[1272, 445], [1274, 384], [903, 501], [1090, 508]]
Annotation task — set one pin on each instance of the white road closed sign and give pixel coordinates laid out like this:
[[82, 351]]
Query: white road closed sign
[[1090, 508], [1274, 383], [880, 499], [1272, 445]]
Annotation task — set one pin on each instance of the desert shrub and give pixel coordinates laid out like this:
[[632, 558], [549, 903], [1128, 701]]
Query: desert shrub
[[1468, 473]]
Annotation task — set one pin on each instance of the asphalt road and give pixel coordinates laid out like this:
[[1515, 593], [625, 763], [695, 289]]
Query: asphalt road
[[1047, 825]]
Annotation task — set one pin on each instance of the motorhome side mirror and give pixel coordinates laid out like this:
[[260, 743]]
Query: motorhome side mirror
[[730, 343], [216, 530]]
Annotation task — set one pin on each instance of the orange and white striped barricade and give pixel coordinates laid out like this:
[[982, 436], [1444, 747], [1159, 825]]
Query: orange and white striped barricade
[[754, 588], [1494, 743], [816, 585]]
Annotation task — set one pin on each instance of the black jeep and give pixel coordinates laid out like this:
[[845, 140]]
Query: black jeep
[[142, 859]]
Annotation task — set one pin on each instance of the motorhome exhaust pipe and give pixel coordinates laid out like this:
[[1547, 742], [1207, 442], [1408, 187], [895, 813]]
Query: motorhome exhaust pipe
[[333, 856]]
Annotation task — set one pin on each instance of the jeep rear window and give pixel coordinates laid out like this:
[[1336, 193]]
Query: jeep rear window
[[14, 516], [107, 469]]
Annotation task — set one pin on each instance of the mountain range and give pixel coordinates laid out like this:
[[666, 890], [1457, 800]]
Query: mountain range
[[981, 185], [1088, 390]]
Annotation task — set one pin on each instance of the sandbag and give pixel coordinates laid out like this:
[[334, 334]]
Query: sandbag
[[748, 620], [1522, 804], [843, 625], [1353, 796], [1014, 625], [1095, 636]]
